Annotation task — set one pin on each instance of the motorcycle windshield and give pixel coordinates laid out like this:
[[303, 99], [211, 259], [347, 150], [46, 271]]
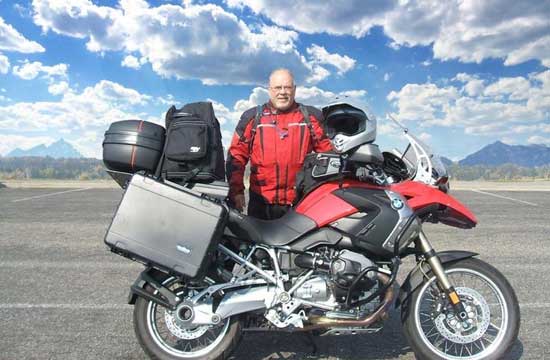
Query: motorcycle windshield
[[439, 169]]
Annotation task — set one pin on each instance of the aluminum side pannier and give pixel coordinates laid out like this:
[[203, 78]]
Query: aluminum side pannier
[[170, 227]]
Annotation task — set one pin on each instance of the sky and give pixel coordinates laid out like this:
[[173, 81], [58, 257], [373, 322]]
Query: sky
[[458, 74]]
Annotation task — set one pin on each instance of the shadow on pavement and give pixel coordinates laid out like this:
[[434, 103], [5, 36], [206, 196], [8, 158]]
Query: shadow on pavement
[[516, 352], [389, 343]]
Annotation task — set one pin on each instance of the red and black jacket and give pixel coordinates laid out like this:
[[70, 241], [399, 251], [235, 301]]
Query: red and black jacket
[[276, 148]]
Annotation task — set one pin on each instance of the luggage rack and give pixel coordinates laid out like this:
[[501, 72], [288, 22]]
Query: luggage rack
[[121, 178], [218, 190]]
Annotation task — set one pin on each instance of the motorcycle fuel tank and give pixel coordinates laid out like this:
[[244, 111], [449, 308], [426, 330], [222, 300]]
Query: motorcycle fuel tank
[[371, 216]]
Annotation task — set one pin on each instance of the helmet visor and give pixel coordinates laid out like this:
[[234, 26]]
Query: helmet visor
[[344, 124]]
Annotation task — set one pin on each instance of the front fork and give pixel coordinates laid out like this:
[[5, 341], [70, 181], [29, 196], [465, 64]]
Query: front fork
[[433, 260]]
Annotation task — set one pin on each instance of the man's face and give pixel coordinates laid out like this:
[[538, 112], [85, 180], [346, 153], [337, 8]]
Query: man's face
[[281, 90]]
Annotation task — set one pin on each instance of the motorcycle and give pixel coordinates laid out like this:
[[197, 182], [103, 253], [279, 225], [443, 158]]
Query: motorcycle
[[329, 267]]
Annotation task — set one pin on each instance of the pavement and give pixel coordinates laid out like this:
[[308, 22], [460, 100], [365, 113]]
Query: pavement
[[63, 294]]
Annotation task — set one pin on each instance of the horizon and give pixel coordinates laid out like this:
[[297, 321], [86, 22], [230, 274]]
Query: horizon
[[99, 158], [458, 75]]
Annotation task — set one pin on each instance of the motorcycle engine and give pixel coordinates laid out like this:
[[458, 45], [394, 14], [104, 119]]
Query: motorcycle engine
[[336, 275]]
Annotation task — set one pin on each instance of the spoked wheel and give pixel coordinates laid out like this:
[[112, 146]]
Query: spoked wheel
[[168, 335], [435, 331]]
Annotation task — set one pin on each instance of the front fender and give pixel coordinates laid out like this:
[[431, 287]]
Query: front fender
[[416, 277], [419, 196]]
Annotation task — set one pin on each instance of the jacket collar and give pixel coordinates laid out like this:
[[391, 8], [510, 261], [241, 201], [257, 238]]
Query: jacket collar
[[272, 110]]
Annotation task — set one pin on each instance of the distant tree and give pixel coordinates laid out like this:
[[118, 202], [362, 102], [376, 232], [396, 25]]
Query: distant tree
[[50, 168]]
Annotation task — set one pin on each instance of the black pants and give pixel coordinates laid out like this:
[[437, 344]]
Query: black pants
[[261, 209]]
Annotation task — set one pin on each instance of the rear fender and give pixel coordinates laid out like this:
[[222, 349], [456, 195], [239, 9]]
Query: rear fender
[[416, 277], [154, 278]]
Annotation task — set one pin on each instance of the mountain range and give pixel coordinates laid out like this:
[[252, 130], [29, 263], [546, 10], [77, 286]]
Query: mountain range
[[57, 150], [497, 153]]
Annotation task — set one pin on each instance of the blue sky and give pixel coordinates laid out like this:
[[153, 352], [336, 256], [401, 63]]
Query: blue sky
[[461, 74]]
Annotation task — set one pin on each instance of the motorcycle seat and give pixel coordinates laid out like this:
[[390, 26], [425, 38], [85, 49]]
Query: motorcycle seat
[[278, 232]]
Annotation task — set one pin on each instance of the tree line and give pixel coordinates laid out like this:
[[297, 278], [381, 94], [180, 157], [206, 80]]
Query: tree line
[[505, 172], [18, 168]]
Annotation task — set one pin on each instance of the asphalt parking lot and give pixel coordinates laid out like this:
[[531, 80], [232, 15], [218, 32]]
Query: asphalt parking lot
[[63, 294]]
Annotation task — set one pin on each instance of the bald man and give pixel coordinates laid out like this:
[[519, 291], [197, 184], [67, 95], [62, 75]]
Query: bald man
[[275, 137]]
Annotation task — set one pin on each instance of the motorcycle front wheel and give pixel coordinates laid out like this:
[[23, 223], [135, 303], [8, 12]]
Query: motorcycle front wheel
[[163, 336], [433, 329]]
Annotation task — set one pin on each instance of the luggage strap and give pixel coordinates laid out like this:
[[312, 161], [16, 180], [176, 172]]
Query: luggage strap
[[184, 176]]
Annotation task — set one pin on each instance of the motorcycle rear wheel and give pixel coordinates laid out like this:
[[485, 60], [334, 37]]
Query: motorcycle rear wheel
[[434, 331], [161, 338]]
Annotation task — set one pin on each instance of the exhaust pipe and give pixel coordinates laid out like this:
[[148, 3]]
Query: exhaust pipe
[[322, 322]]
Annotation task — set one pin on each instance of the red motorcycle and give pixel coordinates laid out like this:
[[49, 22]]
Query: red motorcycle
[[329, 266]]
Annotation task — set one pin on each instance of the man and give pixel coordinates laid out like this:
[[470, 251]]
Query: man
[[275, 138]]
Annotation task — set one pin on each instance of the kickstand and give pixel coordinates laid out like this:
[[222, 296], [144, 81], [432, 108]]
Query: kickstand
[[310, 340]]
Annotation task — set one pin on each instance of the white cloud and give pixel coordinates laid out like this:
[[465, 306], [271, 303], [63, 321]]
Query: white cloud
[[4, 64], [115, 93], [509, 140], [341, 62], [131, 62], [537, 139], [353, 17], [422, 102], [185, 42], [517, 88], [29, 71], [538, 49], [372, 66], [258, 96], [12, 40], [426, 63], [317, 97], [10, 142], [22, 10], [389, 129], [516, 33], [468, 30], [89, 111], [387, 77], [166, 100], [411, 23], [58, 88], [505, 107], [473, 85], [425, 137]]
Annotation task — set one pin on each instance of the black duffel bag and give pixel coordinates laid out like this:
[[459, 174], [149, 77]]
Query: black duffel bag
[[193, 150]]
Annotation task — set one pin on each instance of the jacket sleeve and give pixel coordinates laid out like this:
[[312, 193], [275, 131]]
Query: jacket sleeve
[[322, 142], [238, 154]]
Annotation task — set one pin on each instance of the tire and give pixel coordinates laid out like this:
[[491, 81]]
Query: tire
[[158, 348], [432, 330]]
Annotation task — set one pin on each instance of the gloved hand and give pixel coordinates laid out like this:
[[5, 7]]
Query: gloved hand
[[239, 202]]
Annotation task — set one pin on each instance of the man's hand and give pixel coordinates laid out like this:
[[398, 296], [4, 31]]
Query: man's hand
[[239, 202]]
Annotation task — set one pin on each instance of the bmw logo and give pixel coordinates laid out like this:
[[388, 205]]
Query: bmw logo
[[397, 204]]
